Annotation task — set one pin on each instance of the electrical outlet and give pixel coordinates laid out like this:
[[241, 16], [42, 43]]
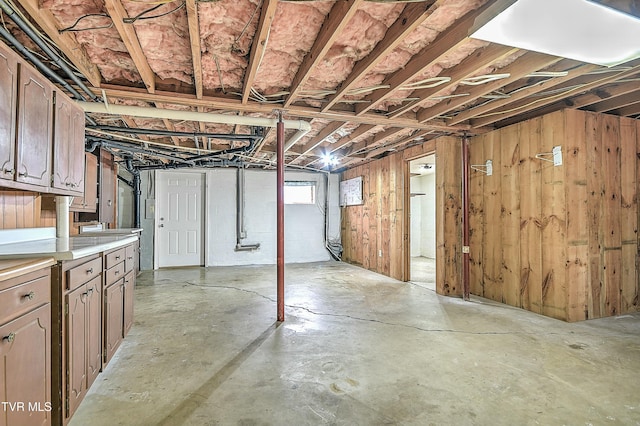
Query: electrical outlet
[[380, 253]]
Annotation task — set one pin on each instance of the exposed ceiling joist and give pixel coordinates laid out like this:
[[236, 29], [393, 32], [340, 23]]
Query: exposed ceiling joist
[[446, 41], [258, 46], [398, 144], [196, 49], [521, 94], [256, 107], [340, 14], [532, 105], [130, 39], [327, 131], [527, 64], [470, 66], [412, 16], [616, 102]]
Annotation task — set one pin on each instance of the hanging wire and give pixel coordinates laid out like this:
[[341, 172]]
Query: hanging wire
[[72, 28], [234, 45], [140, 16]]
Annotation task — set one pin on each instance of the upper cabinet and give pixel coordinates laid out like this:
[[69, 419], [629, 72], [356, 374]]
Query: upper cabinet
[[35, 129], [8, 105], [41, 132], [68, 145]]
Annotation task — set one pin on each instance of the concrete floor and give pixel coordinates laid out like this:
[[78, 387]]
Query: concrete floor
[[356, 348]]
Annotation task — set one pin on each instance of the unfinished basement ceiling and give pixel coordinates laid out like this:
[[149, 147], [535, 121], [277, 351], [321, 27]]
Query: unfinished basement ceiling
[[369, 76]]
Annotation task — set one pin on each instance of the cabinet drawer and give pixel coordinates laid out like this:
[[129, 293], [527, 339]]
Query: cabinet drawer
[[83, 273], [130, 258], [114, 257], [114, 274], [23, 298]]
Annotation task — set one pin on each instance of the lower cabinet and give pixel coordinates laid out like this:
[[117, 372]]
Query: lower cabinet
[[84, 345], [113, 318], [25, 354], [92, 311]]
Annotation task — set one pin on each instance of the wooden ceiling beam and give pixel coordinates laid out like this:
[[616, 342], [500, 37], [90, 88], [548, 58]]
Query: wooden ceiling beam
[[398, 143], [211, 102], [471, 65], [259, 45], [339, 16], [616, 102], [327, 131], [413, 15], [342, 142], [446, 41], [628, 111], [65, 41], [527, 105], [376, 140], [196, 48], [521, 94], [523, 66], [130, 39]]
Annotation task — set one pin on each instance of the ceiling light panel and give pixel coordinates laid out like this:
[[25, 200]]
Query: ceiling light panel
[[573, 29]]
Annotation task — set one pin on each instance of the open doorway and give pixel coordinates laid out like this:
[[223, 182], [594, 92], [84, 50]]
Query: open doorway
[[422, 187]]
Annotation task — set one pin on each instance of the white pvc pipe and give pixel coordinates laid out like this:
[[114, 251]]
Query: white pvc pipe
[[149, 112], [62, 216]]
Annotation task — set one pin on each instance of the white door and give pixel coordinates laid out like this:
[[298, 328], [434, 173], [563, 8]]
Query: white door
[[179, 213]]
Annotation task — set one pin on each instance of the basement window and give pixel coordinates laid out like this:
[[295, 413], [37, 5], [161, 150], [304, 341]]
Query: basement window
[[299, 192]]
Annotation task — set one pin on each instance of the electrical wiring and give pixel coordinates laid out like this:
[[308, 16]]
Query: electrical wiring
[[72, 28], [140, 16], [215, 58], [234, 44]]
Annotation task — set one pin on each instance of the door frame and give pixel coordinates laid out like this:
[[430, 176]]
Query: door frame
[[205, 214], [407, 210]]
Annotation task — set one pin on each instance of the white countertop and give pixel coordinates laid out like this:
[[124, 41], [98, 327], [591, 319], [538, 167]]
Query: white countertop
[[65, 248], [113, 231]]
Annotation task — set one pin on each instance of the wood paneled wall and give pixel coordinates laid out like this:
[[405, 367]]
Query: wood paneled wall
[[561, 241], [375, 235], [19, 209]]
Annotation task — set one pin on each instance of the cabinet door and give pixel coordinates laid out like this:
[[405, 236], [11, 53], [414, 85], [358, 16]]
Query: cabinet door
[[76, 333], [8, 90], [129, 284], [68, 146], [113, 318], [35, 112], [25, 368], [89, 200], [108, 185], [93, 304]]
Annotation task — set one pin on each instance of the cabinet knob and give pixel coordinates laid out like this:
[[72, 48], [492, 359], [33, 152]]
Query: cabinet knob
[[7, 171], [88, 292], [10, 338], [117, 257], [22, 174], [30, 296], [116, 272], [90, 271]]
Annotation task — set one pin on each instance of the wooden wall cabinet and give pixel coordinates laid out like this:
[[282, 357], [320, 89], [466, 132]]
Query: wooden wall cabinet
[[88, 202], [25, 348], [35, 129], [68, 144], [38, 123], [108, 186], [8, 108]]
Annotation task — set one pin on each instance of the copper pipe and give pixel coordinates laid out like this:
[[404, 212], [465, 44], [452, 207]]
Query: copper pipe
[[280, 202], [465, 218]]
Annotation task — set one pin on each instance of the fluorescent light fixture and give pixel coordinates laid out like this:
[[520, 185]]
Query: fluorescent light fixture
[[573, 29]]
